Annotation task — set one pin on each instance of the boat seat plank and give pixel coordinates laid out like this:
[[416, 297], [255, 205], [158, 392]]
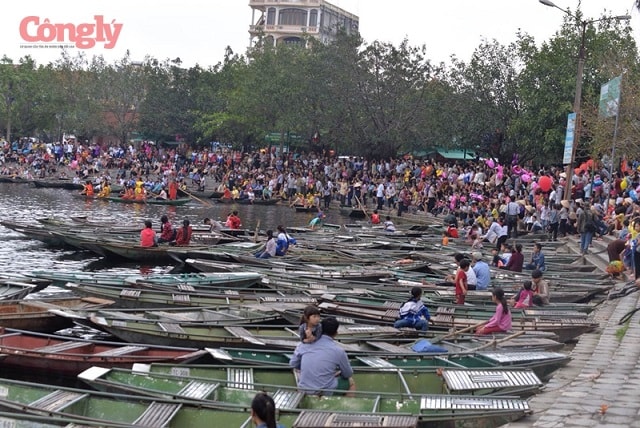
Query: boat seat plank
[[130, 293], [391, 348], [185, 287], [244, 334], [453, 403], [240, 378], [124, 316], [63, 346], [171, 327], [377, 362], [470, 380], [313, 419], [122, 350], [287, 399], [181, 298], [57, 400], [157, 415], [197, 390]]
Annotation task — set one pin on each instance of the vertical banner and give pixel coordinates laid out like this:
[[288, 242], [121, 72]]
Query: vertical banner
[[610, 98], [568, 139]]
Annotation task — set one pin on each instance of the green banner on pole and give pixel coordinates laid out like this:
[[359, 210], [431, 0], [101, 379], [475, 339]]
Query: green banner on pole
[[610, 97]]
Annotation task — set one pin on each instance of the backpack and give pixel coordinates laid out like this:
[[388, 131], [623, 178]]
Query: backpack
[[589, 223]]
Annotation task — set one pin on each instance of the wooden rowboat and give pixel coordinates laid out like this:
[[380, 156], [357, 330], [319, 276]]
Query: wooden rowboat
[[64, 355], [150, 201], [48, 404]]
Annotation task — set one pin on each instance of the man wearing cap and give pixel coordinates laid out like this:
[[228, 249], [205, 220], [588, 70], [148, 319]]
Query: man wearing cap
[[482, 271]]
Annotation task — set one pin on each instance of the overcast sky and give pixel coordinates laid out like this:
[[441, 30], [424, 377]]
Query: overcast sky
[[198, 31]]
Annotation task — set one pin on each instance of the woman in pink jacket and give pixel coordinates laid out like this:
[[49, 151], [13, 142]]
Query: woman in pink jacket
[[500, 322]]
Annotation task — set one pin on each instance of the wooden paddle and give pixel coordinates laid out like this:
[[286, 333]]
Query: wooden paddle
[[457, 332], [361, 205], [255, 234], [206, 203], [496, 341]]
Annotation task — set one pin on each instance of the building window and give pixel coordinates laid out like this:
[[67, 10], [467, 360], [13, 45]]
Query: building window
[[292, 41], [293, 17], [313, 18], [271, 16]]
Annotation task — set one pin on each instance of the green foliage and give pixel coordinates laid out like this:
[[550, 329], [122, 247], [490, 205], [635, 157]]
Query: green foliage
[[372, 99]]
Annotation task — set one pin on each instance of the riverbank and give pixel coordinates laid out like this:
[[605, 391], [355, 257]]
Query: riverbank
[[599, 387]]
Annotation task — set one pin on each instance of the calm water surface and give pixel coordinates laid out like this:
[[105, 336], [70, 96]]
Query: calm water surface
[[22, 203]]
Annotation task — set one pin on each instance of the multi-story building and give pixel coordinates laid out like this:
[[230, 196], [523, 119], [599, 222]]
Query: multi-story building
[[288, 21]]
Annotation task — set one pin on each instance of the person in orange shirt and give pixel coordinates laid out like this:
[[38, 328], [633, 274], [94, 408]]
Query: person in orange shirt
[[375, 217], [88, 189], [183, 235], [148, 235], [173, 190]]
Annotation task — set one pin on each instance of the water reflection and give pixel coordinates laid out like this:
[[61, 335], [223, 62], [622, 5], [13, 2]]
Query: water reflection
[[22, 203]]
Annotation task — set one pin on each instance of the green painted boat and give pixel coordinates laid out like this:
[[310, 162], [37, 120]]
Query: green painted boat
[[237, 386], [151, 201], [155, 297], [543, 363], [212, 279], [80, 407], [209, 335]]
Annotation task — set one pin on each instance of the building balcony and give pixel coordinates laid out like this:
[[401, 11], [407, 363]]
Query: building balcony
[[282, 29], [298, 3]]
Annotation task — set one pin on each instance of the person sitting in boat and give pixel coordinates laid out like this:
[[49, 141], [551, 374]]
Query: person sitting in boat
[[269, 247], [162, 195], [106, 190], [284, 240], [183, 234], [88, 189], [375, 217], [263, 411], [235, 193], [233, 221], [388, 225], [524, 297], [148, 235], [318, 362], [127, 193], [500, 322], [310, 328], [167, 232], [226, 193], [413, 312]]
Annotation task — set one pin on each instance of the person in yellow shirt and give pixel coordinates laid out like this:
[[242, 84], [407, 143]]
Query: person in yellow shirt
[[105, 191]]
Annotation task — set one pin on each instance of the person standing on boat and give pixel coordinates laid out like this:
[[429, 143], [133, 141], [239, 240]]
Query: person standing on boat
[[413, 312], [214, 225], [167, 232], [263, 411], [461, 281], [319, 361], [148, 235], [173, 190], [500, 322]]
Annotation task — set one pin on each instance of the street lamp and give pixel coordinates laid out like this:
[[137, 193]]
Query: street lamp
[[578, 97]]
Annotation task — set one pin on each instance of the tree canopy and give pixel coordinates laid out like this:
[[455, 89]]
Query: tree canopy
[[356, 98]]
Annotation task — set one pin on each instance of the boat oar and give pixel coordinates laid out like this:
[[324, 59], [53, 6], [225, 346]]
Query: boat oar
[[496, 341], [197, 199], [255, 234], [457, 332], [361, 205]]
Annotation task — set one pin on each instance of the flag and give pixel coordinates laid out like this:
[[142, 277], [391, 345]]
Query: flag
[[610, 97]]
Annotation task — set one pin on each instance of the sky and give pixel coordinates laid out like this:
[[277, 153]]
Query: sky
[[198, 31]]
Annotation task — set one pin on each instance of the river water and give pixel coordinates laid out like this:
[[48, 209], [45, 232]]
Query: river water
[[23, 203]]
